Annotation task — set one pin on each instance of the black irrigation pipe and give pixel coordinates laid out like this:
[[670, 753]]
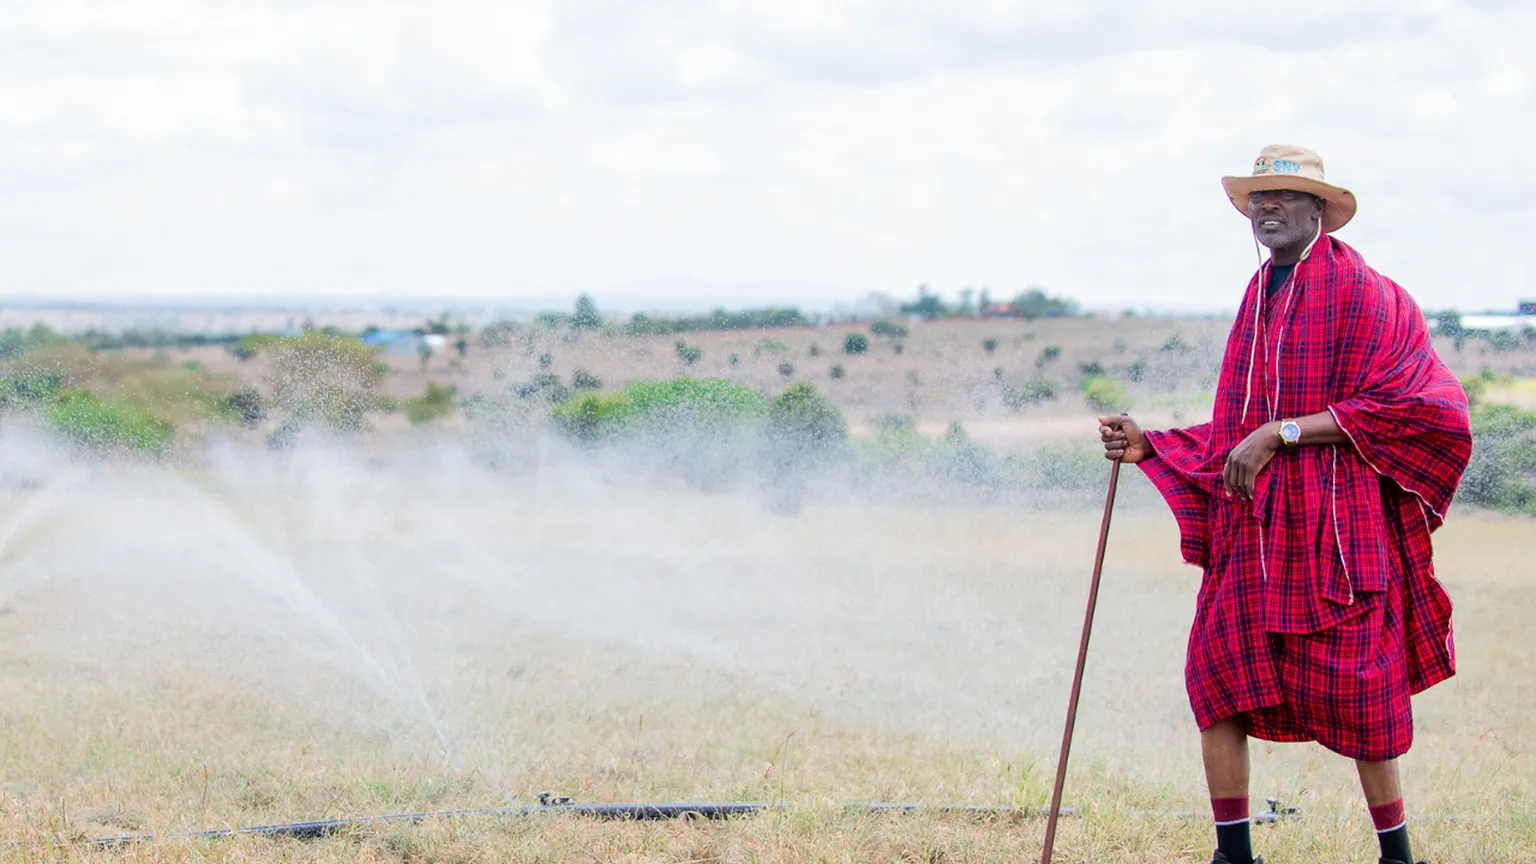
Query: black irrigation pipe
[[635, 812], [638, 812]]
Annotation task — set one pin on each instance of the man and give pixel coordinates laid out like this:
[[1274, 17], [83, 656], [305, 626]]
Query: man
[[1337, 441]]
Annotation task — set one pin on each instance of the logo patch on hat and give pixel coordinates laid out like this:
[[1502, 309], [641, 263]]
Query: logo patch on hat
[[1262, 166]]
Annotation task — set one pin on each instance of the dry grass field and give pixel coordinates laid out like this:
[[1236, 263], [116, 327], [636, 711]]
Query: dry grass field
[[234, 636], [273, 637]]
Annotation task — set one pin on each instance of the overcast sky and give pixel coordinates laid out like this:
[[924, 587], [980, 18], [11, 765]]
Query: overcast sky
[[814, 148]]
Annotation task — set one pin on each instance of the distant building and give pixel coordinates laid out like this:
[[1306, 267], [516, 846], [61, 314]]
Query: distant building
[[1527, 307], [405, 343], [1497, 323]]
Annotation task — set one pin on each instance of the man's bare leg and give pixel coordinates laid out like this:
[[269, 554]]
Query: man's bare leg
[[1384, 795], [1224, 747], [1379, 781]]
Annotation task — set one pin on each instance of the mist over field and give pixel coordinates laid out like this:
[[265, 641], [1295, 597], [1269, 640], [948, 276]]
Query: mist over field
[[303, 576]]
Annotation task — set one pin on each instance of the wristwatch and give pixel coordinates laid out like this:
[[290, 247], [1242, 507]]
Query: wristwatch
[[1290, 433]]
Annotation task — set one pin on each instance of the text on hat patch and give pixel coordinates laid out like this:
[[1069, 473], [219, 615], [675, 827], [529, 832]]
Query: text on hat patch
[[1278, 166]]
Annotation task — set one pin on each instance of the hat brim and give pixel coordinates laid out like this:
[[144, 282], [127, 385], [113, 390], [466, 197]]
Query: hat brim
[[1338, 203]]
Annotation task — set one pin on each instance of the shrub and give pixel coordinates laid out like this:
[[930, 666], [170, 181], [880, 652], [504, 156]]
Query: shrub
[[1137, 371], [665, 408], [581, 379], [30, 386], [800, 422], [815, 350], [887, 424], [837, 372], [1089, 370], [546, 360], [1175, 345], [247, 405], [735, 359], [689, 354], [989, 345], [196, 367], [855, 343], [1105, 394], [769, 346], [592, 417], [898, 348], [325, 379], [888, 329], [786, 370], [1031, 392], [91, 422], [1048, 354], [1503, 459], [436, 403]]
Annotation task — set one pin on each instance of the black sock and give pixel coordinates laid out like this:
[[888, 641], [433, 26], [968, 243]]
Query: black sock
[[1233, 841], [1394, 844]]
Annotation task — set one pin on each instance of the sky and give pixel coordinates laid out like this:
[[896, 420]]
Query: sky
[[748, 151]]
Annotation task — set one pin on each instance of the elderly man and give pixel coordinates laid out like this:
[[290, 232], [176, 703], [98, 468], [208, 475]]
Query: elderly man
[[1337, 441]]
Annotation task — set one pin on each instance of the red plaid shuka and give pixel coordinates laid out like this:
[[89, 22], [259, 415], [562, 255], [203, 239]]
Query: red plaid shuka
[[1319, 613]]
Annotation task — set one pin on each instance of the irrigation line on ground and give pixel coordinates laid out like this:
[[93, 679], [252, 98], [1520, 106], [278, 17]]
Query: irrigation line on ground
[[647, 812], [638, 812]]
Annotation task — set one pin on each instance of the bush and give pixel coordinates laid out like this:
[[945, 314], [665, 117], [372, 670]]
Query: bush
[[325, 379], [29, 386], [800, 423], [689, 354], [592, 417], [1503, 459], [1175, 345], [247, 405], [1089, 370], [735, 359], [1137, 371], [837, 372], [989, 345], [436, 403], [1048, 354], [786, 370], [1031, 392], [546, 360], [888, 329], [664, 408], [815, 350], [887, 424], [581, 379], [91, 422], [1105, 394], [855, 343]]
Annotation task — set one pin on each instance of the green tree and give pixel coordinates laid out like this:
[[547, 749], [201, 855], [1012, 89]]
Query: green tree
[[586, 316], [1035, 303], [929, 306]]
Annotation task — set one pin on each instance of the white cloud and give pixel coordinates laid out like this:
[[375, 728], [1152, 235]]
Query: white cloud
[[464, 147]]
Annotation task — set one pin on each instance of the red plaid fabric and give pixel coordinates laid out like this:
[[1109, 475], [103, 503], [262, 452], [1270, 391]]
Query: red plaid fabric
[[1337, 537]]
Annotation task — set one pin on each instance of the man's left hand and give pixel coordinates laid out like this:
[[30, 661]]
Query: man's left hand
[[1248, 458]]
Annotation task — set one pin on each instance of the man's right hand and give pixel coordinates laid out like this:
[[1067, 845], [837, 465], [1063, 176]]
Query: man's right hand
[[1123, 440]]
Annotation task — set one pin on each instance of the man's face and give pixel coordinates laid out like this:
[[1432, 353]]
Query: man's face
[[1284, 218]]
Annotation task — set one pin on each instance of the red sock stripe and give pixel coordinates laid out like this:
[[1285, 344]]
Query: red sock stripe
[[1230, 809], [1388, 816]]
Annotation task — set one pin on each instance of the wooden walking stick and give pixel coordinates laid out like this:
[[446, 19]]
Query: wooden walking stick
[[1082, 659]]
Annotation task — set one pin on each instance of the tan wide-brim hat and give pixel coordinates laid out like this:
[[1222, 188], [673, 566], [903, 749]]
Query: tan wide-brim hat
[[1281, 166]]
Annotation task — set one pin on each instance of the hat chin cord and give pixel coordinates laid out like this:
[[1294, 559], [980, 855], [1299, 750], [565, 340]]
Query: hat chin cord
[[1258, 310]]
